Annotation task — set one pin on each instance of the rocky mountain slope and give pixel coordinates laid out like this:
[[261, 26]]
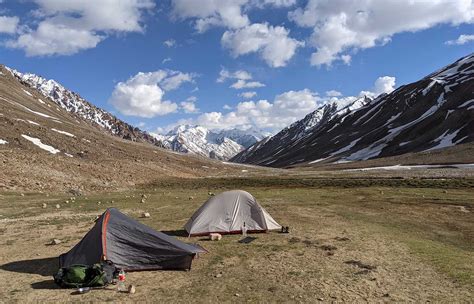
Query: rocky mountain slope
[[198, 140], [44, 147], [81, 108], [432, 113]]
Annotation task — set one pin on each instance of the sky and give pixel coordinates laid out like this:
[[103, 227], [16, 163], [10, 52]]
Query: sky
[[225, 64]]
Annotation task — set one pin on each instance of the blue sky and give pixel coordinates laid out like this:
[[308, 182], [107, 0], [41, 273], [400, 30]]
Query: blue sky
[[157, 63]]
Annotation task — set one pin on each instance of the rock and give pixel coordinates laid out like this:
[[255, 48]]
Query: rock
[[55, 242], [386, 295], [215, 236], [144, 196], [23, 194], [66, 202], [237, 295], [320, 299], [58, 206], [44, 205], [131, 289], [210, 193], [98, 203], [146, 215], [218, 275], [142, 201], [191, 198], [112, 202], [445, 191]]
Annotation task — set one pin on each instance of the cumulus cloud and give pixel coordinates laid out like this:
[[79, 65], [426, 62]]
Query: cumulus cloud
[[248, 95], [170, 43], [243, 79], [344, 26], [462, 39], [333, 93], [209, 13], [8, 25], [143, 94], [285, 109], [272, 43], [384, 84], [274, 3], [189, 105], [167, 59], [67, 27]]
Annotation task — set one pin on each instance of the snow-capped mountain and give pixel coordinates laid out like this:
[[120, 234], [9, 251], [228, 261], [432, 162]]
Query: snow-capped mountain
[[292, 135], [81, 108], [432, 113], [214, 144]]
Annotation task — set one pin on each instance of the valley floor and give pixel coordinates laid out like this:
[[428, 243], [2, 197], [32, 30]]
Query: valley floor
[[376, 242]]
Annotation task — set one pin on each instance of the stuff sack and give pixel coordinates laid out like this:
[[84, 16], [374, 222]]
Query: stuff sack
[[76, 276]]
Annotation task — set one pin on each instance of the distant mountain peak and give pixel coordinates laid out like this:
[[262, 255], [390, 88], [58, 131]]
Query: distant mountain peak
[[219, 144]]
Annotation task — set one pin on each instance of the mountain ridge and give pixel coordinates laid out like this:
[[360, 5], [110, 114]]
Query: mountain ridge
[[434, 112]]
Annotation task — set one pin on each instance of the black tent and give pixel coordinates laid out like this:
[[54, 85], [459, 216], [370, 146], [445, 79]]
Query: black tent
[[130, 245]]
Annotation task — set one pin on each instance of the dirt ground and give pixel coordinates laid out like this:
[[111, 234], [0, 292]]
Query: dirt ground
[[346, 244]]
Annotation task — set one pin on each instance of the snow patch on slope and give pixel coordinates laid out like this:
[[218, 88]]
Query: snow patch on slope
[[37, 142]]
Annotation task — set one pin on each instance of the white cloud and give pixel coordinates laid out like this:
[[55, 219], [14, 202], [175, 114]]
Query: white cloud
[[272, 43], [275, 3], [242, 84], [67, 27], [143, 94], [189, 105], [243, 79], [343, 26], [50, 39], [462, 39], [248, 95], [285, 109], [9, 25], [333, 93], [210, 13], [384, 84], [170, 43], [167, 59]]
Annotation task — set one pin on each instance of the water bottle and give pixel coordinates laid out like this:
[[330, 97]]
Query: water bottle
[[121, 281], [244, 230]]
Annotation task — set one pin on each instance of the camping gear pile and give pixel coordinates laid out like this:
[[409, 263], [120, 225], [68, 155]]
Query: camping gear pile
[[118, 243]]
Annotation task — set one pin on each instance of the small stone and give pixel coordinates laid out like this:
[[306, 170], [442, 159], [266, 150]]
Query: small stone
[[98, 203], [320, 299], [144, 196], [146, 215], [191, 198], [66, 202], [58, 206], [210, 193], [445, 191], [112, 202], [23, 194], [215, 236], [55, 242], [218, 275], [142, 201], [132, 289], [237, 295], [44, 205], [386, 295]]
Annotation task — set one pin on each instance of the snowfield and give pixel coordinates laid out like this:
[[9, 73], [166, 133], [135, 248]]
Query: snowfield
[[63, 132], [37, 142]]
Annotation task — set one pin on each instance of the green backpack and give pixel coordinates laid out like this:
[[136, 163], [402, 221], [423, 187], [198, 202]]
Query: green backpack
[[77, 276]]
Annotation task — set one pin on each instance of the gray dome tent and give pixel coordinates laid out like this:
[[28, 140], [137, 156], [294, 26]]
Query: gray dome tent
[[130, 245], [227, 212]]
